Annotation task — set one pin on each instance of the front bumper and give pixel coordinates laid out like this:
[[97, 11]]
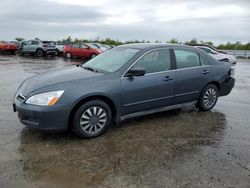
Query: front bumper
[[227, 86], [42, 117], [51, 51]]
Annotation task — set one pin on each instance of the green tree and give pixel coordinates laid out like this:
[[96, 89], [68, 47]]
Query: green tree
[[192, 42], [173, 41], [19, 39]]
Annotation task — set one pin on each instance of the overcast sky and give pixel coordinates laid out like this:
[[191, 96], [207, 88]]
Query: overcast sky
[[216, 20]]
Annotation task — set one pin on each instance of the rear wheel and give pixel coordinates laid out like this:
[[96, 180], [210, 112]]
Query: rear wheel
[[208, 98], [39, 53], [68, 55], [92, 119]]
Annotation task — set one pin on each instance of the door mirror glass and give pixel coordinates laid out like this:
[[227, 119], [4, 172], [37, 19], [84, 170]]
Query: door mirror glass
[[136, 71]]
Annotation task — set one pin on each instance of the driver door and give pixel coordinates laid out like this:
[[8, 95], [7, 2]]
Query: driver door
[[153, 90], [84, 50]]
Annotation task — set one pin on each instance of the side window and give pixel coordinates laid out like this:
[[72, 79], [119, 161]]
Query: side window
[[155, 61], [83, 46], [34, 42], [186, 59], [28, 42], [75, 45]]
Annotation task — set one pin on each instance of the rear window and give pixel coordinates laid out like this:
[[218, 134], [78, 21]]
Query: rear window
[[34, 42]]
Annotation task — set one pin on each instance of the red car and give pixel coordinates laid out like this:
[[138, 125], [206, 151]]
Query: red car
[[81, 50], [8, 47]]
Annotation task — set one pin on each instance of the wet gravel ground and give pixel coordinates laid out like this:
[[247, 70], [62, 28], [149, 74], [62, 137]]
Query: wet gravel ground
[[180, 148]]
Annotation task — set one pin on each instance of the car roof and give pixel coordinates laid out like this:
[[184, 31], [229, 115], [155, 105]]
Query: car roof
[[203, 45], [142, 46]]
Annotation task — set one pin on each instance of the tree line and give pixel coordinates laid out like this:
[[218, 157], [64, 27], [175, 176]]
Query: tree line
[[109, 41]]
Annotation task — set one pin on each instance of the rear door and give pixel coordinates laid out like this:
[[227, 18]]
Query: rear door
[[153, 90], [192, 74], [75, 50]]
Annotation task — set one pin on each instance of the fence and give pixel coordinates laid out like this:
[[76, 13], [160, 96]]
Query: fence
[[239, 53]]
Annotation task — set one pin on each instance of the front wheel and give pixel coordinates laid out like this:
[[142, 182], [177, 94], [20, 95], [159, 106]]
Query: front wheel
[[39, 53], [208, 98], [92, 119]]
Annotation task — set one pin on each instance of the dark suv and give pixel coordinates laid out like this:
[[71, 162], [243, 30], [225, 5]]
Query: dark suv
[[37, 47], [123, 82]]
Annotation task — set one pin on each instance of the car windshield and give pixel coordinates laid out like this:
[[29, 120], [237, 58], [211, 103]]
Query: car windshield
[[111, 60], [207, 50], [91, 45]]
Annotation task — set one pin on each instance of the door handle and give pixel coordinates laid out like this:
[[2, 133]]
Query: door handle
[[167, 78], [205, 72]]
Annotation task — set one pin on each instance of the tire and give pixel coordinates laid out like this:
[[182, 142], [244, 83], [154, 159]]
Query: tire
[[39, 53], [92, 119], [20, 53], [93, 56], [208, 98], [68, 55], [57, 52]]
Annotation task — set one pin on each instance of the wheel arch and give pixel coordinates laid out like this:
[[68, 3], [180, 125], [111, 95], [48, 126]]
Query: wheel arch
[[106, 99], [217, 84], [39, 49]]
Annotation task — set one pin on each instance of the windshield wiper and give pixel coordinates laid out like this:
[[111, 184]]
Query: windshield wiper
[[89, 68]]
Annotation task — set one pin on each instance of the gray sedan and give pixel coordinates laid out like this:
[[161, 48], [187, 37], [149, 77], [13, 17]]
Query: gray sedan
[[123, 82]]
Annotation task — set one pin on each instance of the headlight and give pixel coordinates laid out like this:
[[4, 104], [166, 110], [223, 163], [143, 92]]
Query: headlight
[[45, 99]]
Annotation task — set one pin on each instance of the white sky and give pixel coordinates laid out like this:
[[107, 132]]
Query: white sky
[[218, 21]]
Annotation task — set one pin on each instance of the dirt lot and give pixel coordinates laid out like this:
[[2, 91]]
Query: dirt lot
[[181, 148]]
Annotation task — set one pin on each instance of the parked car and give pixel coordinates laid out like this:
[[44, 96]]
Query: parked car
[[59, 47], [123, 82], [103, 47], [84, 50], [8, 47], [37, 47], [217, 54]]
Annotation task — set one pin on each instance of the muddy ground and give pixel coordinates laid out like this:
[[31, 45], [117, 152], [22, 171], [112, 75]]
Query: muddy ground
[[180, 148]]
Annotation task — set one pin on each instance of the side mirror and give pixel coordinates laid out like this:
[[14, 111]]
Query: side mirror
[[136, 71]]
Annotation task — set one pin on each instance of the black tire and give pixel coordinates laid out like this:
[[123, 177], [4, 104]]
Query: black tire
[[39, 53], [89, 126], [57, 52], [68, 55], [93, 56], [20, 52], [208, 98]]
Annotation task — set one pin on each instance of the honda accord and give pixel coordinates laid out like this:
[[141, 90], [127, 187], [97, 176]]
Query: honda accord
[[123, 82]]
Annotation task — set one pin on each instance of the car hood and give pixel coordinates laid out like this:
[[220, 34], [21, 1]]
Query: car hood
[[55, 76]]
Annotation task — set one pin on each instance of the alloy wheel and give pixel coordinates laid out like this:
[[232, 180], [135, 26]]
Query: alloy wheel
[[210, 97], [93, 120]]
